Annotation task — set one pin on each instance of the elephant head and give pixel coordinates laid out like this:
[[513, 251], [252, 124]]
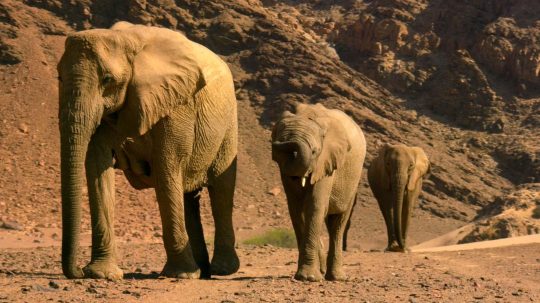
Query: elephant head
[[309, 144], [128, 76], [404, 167]]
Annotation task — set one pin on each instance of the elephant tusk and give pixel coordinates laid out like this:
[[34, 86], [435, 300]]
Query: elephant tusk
[[303, 181]]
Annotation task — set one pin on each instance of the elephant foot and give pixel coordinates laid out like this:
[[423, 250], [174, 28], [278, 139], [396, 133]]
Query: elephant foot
[[335, 275], [397, 248], [103, 270], [394, 247], [308, 273], [175, 270], [225, 262]]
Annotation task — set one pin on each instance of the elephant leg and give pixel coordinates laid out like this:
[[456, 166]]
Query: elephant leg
[[336, 225], [408, 205], [405, 216], [180, 261], [195, 232], [348, 226], [322, 257], [100, 181], [297, 219], [170, 196], [387, 213], [295, 203], [309, 266], [225, 260], [315, 209]]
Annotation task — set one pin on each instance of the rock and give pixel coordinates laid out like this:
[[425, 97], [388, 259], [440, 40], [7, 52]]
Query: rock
[[503, 219], [478, 296], [507, 48], [9, 54], [275, 191], [386, 39], [227, 32], [11, 225], [517, 293], [23, 128], [54, 285]]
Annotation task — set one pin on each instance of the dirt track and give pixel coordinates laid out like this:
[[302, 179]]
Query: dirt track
[[507, 274]]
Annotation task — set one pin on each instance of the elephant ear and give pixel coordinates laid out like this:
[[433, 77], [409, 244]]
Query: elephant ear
[[334, 147], [421, 168], [166, 73]]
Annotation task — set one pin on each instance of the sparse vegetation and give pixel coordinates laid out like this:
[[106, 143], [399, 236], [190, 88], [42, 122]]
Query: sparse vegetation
[[279, 237]]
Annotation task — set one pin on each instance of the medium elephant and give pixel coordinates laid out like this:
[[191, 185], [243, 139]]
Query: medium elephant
[[395, 177], [161, 108], [320, 153]]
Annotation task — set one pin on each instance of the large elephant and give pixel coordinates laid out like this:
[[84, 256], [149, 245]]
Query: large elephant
[[320, 153], [395, 177], [162, 108]]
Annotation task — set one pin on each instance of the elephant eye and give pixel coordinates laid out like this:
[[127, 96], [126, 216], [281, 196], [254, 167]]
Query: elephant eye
[[106, 79]]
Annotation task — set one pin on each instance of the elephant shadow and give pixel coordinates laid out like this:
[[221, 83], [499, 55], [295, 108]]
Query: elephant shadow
[[47, 275], [155, 275], [285, 277], [141, 276]]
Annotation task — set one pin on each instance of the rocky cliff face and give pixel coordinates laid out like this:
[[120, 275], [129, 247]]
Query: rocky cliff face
[[445, 52]]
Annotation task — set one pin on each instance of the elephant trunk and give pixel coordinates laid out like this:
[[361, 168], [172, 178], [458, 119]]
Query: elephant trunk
[[77, 125], [297, 157], [399, 181]]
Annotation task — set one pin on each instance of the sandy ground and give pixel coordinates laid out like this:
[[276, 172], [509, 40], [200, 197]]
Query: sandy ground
[[505, 274], [430, 246]]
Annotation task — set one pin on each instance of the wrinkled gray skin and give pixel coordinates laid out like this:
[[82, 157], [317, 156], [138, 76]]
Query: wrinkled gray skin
[[395, 177], [161, 108], [320, 153]]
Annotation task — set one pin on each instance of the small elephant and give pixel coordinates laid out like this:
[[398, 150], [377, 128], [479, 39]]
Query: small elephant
[[320, 153], [161, 108], [395, 177]]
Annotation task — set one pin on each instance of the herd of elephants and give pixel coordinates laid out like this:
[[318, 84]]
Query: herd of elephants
[[162, 109]]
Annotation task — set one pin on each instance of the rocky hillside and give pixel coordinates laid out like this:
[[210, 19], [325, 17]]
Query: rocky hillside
[[406, 71], [516, 214]]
